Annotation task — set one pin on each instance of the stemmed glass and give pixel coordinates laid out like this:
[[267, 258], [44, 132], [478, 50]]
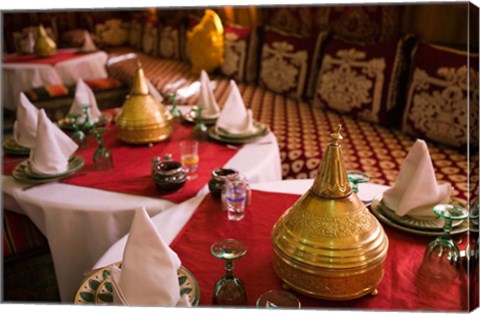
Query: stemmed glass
[[200, 128], [357, 177], [278, 299], [442, 257], [229, 289], [176, 113], [87, 125], [102, 158], [78, 136]]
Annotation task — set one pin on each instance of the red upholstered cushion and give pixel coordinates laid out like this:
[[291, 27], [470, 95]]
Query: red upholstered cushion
[[363, 24], [241, 53], [363, 80], [437, 95], [288, 62], [169, 45], [150, 39], [20, 234], [135, 34], [355, 23], [103, 84]]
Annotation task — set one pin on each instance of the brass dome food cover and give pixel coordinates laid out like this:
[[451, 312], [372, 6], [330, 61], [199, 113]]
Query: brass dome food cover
[[44, 45], [143, 119], [328, 245]]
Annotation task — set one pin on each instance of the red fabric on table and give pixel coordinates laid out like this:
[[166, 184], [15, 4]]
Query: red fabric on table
[[401, 288], [34, 59], [131, 173]]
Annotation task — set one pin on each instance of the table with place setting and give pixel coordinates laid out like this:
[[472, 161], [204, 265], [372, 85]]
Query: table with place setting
[[196, 193], [23, 72], [83, 210], [424, 251]]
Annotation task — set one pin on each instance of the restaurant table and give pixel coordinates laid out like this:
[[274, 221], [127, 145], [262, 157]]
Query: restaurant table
[[81, 223], [23, 72], [199, 224]]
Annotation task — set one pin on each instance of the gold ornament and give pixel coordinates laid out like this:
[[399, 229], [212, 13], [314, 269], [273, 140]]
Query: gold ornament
[[328, 245], [44, 45], [205, 43], [143, 119]]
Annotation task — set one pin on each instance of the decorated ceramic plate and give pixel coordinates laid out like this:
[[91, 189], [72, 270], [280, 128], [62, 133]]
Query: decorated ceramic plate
[[190, 117], [65, 124], [378, 212], [258, 128], [23, 173], [98, 288], [10, 146], [214, 135], [427, 223]]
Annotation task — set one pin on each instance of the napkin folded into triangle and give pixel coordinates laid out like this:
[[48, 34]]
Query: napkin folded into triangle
[[206, 100], [52, 149], [235, 117], [154, 92], [88, 44], [416, 190], [25, 126], [85, 96], [148, 276]]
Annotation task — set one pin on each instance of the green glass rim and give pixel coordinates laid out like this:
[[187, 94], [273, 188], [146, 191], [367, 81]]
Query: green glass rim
[[449, 211]]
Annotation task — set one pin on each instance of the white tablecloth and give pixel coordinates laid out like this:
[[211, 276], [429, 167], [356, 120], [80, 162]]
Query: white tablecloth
[[82, 223], [19, 77]]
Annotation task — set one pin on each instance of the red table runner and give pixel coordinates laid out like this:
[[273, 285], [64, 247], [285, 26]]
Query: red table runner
[[401, 288], [131, 173], [61, 55]]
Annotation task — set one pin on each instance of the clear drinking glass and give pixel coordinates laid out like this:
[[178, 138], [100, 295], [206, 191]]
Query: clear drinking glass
[[442, 257], [78, 136], [87, 125], [278, 299], [102, 158], [189, 157], [229, 290], [357, 177], [235, 196]]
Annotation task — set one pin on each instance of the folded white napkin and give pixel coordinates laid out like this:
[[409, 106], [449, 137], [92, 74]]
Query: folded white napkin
[[416, 190], [53, 148], [154, 92], [85, 96], [149, 268], [206, 100], [88, 44], [25, 127], [235, 118]]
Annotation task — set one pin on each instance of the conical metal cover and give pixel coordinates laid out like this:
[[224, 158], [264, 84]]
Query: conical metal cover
[[143, 119], [44, 45], [328, 245]]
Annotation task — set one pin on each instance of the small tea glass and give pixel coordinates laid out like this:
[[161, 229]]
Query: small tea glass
[[274, 299], [235, 195], [229, 290], [78, 136], [189, 158], [102, 158], [442, 257]]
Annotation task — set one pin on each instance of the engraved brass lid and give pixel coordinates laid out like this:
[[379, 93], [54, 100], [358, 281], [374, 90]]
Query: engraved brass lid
[[328, 245], [143, 119], [44, 45]]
